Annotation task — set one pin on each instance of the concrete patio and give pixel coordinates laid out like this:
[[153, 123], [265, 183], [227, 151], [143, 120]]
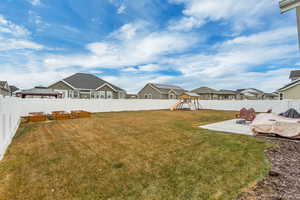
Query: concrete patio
[[229, 126]]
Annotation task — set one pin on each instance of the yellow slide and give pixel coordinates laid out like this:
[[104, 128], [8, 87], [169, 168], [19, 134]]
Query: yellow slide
[[174, 107]]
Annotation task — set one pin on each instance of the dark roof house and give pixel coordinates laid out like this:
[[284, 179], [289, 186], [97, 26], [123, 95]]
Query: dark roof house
[[207, 93], [294, 75], [160, 91], [82, 85], [204, 90]]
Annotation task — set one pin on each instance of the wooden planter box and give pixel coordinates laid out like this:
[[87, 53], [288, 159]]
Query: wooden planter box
[[61, 115], [37, 117], [80, 114]]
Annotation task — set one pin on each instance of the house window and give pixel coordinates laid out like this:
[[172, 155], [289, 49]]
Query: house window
[[171, 96], [70, 94], [146, 96], [93, 95], [76, 94], [281, 96], [149, 96], [109, 94], [102, 94]]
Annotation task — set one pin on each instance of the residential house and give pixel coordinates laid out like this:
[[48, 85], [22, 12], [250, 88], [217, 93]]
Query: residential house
[[226, 95], [131, 96], [290, 91], [160, 91], [87, 86], [294, 75], [250, 94], [207, 93], [39, 92], [4, 88], [270, 96]]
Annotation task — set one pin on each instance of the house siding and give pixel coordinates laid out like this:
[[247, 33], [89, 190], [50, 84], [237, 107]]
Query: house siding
[[149, 90], [84, 94], [106, 88], [4, 92], [292, 93], [60, 86]]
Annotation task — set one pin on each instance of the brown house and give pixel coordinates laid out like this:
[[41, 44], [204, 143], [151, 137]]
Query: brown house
[[160, 91], [87, 86]]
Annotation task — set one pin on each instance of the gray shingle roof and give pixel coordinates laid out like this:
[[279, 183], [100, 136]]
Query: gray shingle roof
[[256, 91], [205, 90], [192, 94], [295, 74], [87, 81], [163, 88], [271, 95], [226, 92], [288, 85], [169, 87]]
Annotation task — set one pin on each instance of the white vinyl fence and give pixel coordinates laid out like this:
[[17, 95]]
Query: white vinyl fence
[[11, 109], [259, 105]]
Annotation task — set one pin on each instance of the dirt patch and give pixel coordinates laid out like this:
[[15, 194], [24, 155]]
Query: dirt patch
[[283, 181]]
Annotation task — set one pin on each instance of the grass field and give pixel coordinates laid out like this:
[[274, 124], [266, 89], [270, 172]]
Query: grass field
[[147, 155]]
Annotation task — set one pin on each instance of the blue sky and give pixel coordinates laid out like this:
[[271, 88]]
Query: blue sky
[[224, 44]]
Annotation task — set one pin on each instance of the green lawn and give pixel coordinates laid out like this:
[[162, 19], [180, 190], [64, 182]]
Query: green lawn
[[147, 155]]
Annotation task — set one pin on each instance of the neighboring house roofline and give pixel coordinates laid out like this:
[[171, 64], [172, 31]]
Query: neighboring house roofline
[[152, 86], [172, 91], [68, 84], [290, 85], [294, 74], [64, 83], [106, 84]]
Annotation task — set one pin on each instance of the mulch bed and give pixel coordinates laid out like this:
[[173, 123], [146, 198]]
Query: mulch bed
[[283, 180]]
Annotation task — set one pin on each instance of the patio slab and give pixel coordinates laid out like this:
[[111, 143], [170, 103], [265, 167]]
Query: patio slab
[[229, 126]]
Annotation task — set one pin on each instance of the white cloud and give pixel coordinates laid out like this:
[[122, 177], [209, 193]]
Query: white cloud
[[129, 69], [13, 44], [35, 2], [132, 52], [127, 31], [7, 27], [150, 68], [15, 37], [121, 9], [186, 24], [241, 14], [234, 60], [34, 78]]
